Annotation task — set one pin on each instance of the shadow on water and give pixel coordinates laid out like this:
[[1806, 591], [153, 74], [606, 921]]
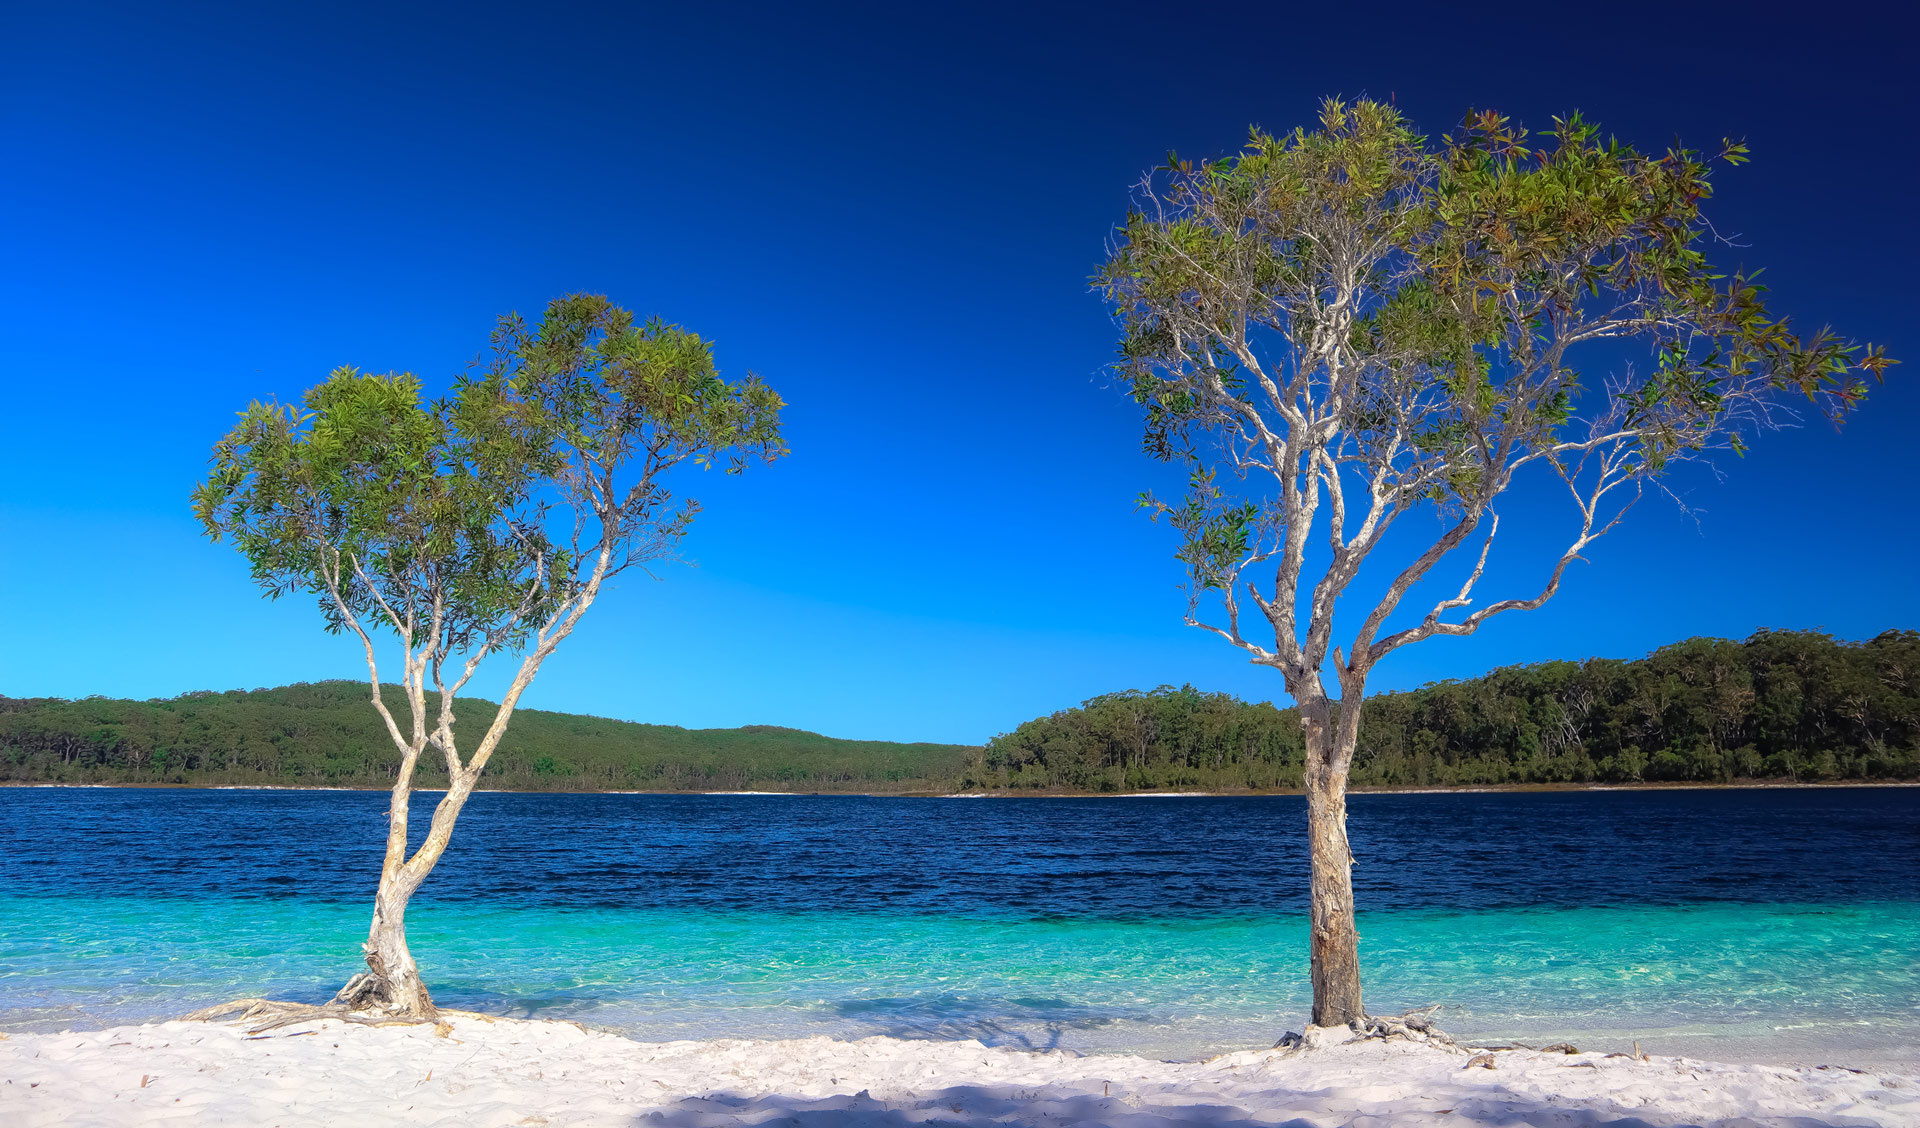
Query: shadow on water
[[1023, 1024], [510, 1004], [1035, 1024], [974, 1106]]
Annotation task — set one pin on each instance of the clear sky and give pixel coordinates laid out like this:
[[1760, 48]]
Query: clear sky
[[890, 212]]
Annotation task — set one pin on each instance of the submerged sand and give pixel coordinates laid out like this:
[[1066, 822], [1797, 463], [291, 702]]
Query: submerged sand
[[481, 1073]]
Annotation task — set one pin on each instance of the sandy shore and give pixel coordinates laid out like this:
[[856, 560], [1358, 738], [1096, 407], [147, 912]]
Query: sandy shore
[[483, 1073]]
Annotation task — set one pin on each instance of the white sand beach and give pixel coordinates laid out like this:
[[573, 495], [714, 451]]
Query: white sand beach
[[479, 1073]]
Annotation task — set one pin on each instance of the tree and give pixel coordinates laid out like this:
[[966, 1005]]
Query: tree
[[485, 522], [1345, 325]]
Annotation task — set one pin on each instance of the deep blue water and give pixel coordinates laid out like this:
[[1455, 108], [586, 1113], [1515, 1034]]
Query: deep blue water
[[1770, 925], [1035, 858]]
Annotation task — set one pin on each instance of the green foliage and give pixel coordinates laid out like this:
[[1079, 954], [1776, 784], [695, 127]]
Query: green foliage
[[324, 735], [487, 520], [1166, 738], [1353, 321], [1784, 705], [436, 516]]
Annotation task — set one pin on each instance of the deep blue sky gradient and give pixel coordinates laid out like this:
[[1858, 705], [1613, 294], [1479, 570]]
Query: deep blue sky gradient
[[890, 212]]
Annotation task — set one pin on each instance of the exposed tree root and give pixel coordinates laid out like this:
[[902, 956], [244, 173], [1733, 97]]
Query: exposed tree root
[[366, 1000], [272, 1014], [370, 992], [1415, 1026], [265, 1015]]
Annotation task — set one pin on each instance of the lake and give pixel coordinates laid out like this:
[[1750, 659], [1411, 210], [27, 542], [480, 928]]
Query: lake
[[1738, 924]]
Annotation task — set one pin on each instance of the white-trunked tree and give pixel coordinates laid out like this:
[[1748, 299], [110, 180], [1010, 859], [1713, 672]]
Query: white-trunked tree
[[1339, 327], [483, 523]]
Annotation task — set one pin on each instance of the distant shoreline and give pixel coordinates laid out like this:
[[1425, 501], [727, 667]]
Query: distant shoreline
[[1480, 789]]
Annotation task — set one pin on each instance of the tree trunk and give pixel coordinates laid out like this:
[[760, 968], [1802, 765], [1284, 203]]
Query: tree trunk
[[392, 981], [1334, 942], [391, 984]]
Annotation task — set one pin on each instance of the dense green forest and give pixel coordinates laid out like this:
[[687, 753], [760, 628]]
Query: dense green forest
[[1783, 705], [326, 734]]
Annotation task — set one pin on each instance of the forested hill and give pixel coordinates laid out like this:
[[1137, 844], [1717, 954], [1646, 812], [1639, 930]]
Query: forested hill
[[1783, 705], [1790, 706], [327, 734]]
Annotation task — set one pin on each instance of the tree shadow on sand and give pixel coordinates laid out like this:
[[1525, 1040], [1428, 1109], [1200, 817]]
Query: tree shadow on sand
[[970, 1106]]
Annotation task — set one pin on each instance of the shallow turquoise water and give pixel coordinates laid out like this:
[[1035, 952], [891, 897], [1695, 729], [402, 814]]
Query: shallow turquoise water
[[1708, 923], [1769, 982]]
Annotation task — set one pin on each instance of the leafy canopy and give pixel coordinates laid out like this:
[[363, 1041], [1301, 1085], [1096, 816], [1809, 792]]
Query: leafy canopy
[[1357, 319], [475, 519]]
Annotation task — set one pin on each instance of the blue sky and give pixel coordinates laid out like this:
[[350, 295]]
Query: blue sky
[[889, 212]]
